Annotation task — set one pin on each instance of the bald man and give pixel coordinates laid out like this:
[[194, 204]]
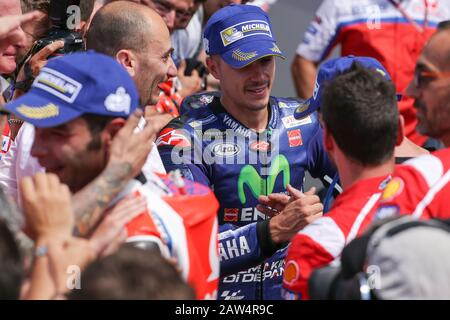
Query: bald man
[[138, 38]]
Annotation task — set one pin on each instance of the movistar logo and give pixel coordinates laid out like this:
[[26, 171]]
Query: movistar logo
[[259, 186]]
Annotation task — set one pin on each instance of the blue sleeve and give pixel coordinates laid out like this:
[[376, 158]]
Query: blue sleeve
[[241, 248], [189, 170], [185, 107], [178, 150], [319, 164]]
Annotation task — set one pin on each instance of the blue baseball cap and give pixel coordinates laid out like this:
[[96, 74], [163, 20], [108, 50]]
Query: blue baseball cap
[[240, 34], [72, 85], [330, 70]]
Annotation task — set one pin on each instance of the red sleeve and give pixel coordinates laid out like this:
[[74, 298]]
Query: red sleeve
[[403, 193], [303, 257]]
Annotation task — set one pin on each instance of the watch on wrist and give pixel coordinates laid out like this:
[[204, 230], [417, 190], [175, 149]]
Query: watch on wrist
[[41, 251]]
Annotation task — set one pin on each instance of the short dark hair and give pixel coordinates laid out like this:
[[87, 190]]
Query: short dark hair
[[443, 25], [360, 111], [86, 7], [112, 31], [11, 265], [132, 273], [96, 123], [31, 5]]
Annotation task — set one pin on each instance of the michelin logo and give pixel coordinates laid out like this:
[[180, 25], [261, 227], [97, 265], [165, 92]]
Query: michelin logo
[[243, 30], [58, 84]]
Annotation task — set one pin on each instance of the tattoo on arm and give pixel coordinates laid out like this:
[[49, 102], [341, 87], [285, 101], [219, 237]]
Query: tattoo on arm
[[90, 202]]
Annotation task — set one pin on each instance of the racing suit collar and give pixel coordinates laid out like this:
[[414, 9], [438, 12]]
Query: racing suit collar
[[218, 110]]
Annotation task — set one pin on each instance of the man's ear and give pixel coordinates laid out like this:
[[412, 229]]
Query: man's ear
[[128, 60], [328, 140], [213, 67], [400, 130], [111, 130]]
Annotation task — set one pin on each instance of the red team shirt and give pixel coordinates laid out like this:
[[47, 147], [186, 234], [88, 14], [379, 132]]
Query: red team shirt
[[178, 221], [419, 187], [321, 242], [377, 28]]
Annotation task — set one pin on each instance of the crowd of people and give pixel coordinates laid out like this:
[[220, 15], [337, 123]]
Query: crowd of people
[[144, 157]]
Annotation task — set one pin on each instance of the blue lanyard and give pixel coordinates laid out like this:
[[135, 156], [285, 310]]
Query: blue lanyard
[[329, 195]]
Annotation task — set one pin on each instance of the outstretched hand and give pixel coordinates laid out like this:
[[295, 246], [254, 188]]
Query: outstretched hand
[[301, 210], [111, 232]]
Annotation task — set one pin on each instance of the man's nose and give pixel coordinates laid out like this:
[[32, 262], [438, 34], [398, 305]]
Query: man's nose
[[172, 70], [412, 90], [257, 71], [17, 38], [21, 36], [38, 150]]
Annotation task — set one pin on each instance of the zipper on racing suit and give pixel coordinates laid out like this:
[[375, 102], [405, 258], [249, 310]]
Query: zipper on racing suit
[[264, 172]]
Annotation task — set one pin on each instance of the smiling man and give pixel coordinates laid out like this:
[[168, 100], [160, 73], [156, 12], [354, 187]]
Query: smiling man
[[137, 37], [421, 186], [244, 143], [8, 56], [79, 103]]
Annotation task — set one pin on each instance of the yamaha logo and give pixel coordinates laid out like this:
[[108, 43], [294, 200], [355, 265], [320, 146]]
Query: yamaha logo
[[226, 149]]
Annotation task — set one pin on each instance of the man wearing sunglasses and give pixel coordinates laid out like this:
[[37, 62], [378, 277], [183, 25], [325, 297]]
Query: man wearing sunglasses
[[421, 186], [391, 31], [170, 10]]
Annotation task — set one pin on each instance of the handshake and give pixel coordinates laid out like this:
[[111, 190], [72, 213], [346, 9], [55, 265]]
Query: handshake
[[290, 214]]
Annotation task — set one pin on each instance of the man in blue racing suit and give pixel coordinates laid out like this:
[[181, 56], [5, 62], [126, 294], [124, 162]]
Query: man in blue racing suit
[[243, 143]]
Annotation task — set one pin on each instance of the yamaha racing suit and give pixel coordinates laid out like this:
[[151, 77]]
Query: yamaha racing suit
[[209, 146]]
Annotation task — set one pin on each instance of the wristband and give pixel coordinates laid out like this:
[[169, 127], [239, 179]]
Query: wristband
[[41, 251], [267, 245]]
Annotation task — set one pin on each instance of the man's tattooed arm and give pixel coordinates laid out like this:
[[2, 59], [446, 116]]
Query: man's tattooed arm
[[90, 202], [127, 155]]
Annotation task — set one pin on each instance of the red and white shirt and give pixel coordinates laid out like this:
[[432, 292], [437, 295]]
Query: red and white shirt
[[182, 227], [392, 34], [419, 187], [321, 242]]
